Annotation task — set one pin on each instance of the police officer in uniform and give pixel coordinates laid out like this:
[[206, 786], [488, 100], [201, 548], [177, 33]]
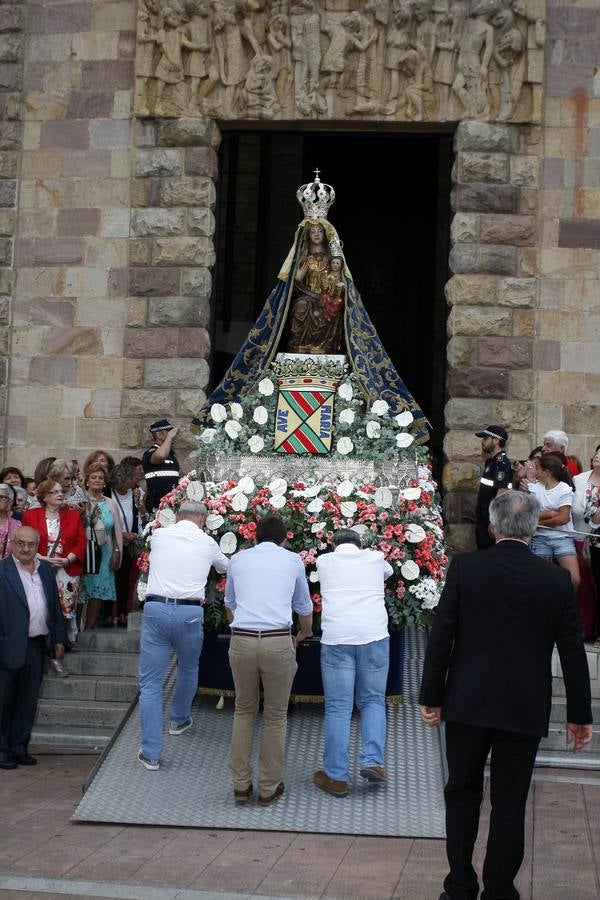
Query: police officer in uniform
[[495, 478], [161, 467]]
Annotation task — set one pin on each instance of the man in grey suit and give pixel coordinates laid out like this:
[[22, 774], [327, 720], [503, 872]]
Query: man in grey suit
[[31, 626]]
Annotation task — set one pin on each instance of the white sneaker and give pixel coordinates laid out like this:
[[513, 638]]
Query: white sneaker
[[153, 765], [174, 728]]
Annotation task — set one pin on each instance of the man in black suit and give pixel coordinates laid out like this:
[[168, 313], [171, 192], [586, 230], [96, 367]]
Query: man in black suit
[[31, 625], [487, 673]]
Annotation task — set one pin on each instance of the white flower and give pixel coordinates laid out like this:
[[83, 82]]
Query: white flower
[[373, 429], [411, 493], [236, 410], [277, 501], [348, 508], [404, 418], [427, 591], [218, 413], [208, 435], [260, 415], [166, 517], [347, 416], [240, 502], [383, 497], [404, 439], [142, 590], [345, 446], [256, 443], [315, 506], [313, 577], [318, 526], [410, 570], [360, 529], [345, 488], [345, 391], [228, 543], [246, 484], [313, 490], [214, 521], [266, 387], [415, 534], [195, 491], [278, 486], [379, 408], [232, 429]]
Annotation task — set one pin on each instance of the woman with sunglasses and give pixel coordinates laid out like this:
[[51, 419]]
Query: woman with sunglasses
[[8, 524], [62, 544]]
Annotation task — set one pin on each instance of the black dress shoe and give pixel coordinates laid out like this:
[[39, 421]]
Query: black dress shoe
[[25, 759], [7, 764]]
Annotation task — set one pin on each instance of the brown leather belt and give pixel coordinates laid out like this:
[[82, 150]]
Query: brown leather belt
[[275, 632]]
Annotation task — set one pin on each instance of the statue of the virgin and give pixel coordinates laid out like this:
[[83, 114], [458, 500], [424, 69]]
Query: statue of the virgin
[[315, 310]]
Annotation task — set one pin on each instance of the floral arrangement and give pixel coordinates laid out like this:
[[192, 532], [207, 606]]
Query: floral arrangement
[[367, 432], [405, 525]]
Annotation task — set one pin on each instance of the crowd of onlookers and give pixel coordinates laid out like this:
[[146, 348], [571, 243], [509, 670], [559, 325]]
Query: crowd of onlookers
[[90, 519]]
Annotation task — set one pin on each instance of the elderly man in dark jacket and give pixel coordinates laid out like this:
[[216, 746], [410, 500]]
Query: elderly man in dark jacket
[[31, 626]]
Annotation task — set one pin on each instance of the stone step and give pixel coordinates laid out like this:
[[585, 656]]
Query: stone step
[[109, 640], [73, 737], [89, 687], [556, 740], [91, 713], [96, 663]]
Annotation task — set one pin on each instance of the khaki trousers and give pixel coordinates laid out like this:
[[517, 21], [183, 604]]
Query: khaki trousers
[[271, 660]]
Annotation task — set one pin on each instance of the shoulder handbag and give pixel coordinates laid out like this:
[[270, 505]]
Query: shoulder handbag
[[93, 553]]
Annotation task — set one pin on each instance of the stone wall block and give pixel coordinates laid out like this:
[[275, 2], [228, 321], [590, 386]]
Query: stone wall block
[[73, 222], [159, 162], [186, 192], [524, 322], [196, 282], [460, 476], [471, 289], [141, 402], [136, 312], [75, 342], [459, 538], [140, 251], [183, 251], [97, 75], [10, 135], [11, 76], [176, 373], [198, 132], [51, 311], [468, 413], [494, 198], [521, 385], [502, 229], [9, 164], [509, 353], [167, 222], [133, 373], [12, 18], [465, 228], [459, 506], [201, 161], [8, 192], [154, 282], [462, 351], [70, 134], [515, 415], [131, 434], [10, 47], [546, 356], [6, 251], [145, 133], [53, 370], [151, 342], [57, 251], [194, 342], [4, 310], [475, 320], [480, 167], [482, 137], [90, 104], [178, 311], [478, 382], [462, 445], [525, 171], [517, 291], [489, 258], [201, 222], [188, 403]]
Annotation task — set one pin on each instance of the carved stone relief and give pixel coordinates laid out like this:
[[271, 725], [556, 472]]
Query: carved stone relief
[[389, 60]]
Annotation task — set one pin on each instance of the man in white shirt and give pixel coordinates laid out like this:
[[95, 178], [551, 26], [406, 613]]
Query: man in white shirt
[[355, 657], [181, 556], [264, 585]]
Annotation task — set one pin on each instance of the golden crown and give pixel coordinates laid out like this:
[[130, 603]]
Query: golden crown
[[315, 198]]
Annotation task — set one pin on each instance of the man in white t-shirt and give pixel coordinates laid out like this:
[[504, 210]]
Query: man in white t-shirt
[[355, 657]]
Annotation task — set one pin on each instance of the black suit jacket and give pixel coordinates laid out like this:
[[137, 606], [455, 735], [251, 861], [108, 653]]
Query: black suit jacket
[[488, 660], [14, 614]]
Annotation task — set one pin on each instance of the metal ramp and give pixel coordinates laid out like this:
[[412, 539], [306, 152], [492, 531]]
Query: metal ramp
[[193, 787]]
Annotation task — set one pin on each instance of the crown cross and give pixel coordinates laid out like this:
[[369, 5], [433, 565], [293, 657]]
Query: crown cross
[[315, 198]]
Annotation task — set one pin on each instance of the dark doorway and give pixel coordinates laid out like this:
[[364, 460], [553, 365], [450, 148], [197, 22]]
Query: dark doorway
[[392, 212]]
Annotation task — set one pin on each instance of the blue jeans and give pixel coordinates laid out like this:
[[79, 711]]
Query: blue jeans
[[354, 672], [167, 627]]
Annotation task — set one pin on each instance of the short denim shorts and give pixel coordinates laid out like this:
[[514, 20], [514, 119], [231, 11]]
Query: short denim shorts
[[553, 545]]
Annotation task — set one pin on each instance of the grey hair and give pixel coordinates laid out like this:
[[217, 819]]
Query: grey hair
[[10, 489], [346, 536], [514, 514], [559, 437], [121, 474], [58, 468], [191, 509], [20, 492]]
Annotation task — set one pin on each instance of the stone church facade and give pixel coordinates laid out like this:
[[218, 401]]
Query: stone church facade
[[109, 179]]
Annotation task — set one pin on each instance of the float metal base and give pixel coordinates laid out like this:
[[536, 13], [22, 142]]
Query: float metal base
[[193, 787]]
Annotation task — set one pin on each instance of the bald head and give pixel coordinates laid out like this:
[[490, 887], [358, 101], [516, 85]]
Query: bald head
[[25, 544]]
